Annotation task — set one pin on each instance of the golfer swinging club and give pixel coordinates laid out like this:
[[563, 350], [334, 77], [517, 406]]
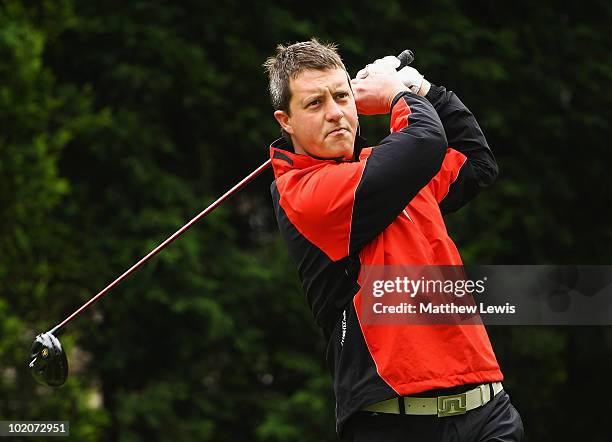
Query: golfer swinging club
[[341, 205]]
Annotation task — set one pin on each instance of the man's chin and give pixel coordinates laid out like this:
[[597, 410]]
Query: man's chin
[[345, 152], [329, 152], [335, 154]]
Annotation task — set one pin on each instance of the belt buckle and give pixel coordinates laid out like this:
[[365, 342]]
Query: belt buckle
[[452, 405]]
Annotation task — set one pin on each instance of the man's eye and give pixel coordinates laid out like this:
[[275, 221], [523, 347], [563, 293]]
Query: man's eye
[[314, 102], [341, 95]]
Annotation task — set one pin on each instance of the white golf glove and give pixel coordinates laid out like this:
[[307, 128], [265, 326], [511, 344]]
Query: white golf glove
[[388, 65], [385, 65]]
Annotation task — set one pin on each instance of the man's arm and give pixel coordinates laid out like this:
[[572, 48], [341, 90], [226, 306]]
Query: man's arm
[[398, 168], [469, 165]]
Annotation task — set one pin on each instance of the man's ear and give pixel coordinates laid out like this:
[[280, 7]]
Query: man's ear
[[284, 120]]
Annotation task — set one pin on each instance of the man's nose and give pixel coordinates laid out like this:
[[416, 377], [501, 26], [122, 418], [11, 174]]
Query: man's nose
[[333, 112]]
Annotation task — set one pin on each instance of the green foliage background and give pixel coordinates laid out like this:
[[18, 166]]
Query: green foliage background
[[119, 121]]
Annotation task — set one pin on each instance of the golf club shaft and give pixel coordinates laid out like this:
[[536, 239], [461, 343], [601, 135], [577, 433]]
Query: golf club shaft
[[157, 249]]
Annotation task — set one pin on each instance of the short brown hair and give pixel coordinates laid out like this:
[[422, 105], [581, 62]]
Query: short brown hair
[[290, 60]]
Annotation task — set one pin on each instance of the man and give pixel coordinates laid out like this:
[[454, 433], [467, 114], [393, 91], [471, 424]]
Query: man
[[341, 206]]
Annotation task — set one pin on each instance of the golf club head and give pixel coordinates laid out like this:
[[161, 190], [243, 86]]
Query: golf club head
[[48, 362]]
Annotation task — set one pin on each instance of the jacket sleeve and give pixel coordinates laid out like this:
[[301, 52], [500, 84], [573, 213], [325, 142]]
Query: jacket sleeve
[[398, 168], [469, 164]]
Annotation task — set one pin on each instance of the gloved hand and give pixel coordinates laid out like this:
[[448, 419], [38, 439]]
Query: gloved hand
[[375, 92], [408, 75], [411, 78], [385, 65]]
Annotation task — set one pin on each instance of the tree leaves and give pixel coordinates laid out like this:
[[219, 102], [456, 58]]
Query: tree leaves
[[121, 121]]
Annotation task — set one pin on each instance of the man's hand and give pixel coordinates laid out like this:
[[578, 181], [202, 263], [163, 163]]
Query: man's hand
[[375, 92], [413, 79], [385, 65], [408, 75]]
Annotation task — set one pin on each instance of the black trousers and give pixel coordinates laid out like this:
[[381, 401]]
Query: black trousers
[[496, 421]]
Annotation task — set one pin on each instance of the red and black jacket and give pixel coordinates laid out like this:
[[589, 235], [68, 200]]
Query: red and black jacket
[[386, 207]]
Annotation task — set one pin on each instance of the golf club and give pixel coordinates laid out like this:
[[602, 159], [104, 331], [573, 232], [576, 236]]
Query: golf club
[[48, 362]]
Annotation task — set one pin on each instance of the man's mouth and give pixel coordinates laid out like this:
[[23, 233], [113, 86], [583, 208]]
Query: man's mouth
[[340, 130]]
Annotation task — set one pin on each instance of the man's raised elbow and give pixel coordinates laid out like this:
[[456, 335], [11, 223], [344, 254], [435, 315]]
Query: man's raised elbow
[[487, 172]]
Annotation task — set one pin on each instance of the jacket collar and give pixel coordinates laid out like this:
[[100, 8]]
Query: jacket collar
[[285, 159]]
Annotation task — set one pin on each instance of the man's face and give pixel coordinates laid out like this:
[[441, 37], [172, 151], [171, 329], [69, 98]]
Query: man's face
[[322, 118]]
